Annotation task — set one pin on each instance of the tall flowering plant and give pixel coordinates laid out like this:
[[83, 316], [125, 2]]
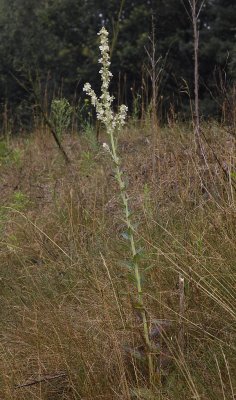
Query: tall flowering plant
[[113, 123]]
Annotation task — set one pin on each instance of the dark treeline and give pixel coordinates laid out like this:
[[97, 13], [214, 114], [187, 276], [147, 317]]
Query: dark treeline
[[55, 43]]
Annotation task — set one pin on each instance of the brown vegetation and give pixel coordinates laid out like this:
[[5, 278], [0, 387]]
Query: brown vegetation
[[69, 325]]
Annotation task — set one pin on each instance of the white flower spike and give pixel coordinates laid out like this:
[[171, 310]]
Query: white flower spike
[[103, 104]]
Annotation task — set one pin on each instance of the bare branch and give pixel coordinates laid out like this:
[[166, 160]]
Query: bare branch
[[44, 378], [200, 8], [186, 10]]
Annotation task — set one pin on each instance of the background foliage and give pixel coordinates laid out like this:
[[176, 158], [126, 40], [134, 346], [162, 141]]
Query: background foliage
[[55, 40]]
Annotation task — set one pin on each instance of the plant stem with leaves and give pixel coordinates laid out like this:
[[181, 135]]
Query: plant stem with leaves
[[113, 124]]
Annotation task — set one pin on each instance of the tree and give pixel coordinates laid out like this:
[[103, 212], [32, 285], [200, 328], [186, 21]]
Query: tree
[[57, 40]]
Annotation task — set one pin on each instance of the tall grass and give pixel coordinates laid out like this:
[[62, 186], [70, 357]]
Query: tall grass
[[69, 326]]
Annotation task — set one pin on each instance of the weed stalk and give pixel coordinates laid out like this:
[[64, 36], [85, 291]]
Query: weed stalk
[[113, 124]]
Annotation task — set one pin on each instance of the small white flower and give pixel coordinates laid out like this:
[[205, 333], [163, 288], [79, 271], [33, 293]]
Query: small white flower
[[106, 147], [87, 87], [103, 32]]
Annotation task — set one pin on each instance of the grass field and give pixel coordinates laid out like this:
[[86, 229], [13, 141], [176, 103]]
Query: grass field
[[70, 328]]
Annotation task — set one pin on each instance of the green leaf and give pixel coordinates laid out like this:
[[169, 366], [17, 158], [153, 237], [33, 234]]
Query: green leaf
[[128, 265], [125, 235], [233, 174], [138, 306], [139, 254]]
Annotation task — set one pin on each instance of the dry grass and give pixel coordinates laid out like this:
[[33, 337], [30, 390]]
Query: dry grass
[[69, 326]]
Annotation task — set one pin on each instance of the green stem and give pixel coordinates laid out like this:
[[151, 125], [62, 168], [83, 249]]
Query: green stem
[[129, 225]]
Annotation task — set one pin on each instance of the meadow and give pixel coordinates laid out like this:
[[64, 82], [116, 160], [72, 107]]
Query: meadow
[[70, 324]]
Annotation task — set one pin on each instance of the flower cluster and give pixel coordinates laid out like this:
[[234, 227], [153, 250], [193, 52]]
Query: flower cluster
[[106, 147], [103, 104]]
